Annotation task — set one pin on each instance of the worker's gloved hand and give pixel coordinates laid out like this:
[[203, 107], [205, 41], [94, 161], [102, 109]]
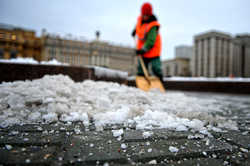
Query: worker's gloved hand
[[133, 33], [140, 51]]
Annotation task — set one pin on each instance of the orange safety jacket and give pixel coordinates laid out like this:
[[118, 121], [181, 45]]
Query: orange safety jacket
[[141, 32]]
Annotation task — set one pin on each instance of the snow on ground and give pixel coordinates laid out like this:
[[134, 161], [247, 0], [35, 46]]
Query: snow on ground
[[58, 98], [21, 60], [219, 79]]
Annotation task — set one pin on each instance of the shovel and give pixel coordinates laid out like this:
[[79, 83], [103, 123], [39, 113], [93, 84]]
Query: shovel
[[148, 82]]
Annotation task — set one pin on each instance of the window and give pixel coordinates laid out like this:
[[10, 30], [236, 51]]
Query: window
[[13, 54], [175, 69], [167, 71], [93, 60], [13, 37], [2, 35], [1, 54]]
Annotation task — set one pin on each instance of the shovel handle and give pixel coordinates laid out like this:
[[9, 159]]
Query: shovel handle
[[145, 71]]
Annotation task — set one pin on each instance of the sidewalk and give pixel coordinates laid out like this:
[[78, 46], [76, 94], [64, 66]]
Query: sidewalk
[[73, 144]]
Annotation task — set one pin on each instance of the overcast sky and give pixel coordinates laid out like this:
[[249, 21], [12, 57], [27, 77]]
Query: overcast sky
[[180, 19]]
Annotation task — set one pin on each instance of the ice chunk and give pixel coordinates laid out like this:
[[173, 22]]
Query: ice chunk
[[173, 149], [150, 150], [50, 117], [152, 162], [35, 116], [8, 147], [123, 146], [147, 134], [117, 133]]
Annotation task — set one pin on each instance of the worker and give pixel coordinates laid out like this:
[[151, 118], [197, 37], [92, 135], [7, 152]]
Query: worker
[[148, 41]]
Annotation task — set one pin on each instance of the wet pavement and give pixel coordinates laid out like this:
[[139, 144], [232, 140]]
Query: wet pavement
[[76, 144]]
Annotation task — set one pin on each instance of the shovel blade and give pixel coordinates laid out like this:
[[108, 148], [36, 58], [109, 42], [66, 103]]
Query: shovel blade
[[149, 84]]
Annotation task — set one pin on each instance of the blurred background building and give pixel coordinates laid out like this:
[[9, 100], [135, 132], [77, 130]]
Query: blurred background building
[[218, 54], [180, 65], [241, 56], [73, 52], [20, 42], [214, 54]]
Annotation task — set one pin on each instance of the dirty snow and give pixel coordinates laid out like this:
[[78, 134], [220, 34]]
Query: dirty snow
[[58, 98]]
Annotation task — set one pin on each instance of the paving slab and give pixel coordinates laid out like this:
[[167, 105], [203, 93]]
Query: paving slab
[[175, 149], [241, 139], [144, 135], [35, 155], [59, 145], [27, 139], [89, 148], [195, 162], [62, 127]]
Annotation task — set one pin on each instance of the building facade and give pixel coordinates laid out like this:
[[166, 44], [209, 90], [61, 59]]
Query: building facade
[[73, 52], [18, 42], [176, 67], [218, 54], [213, 55], [180, 65], [113, 56], [184, 51], [95, 53], [241, 56]]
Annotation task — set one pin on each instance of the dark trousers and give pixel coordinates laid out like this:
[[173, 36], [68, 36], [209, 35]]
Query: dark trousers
[[156, 67]]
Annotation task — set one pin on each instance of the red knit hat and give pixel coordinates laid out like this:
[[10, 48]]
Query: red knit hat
[[146, 9]]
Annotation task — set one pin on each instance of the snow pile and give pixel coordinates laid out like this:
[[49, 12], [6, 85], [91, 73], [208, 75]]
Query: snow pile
[[53, 62], [21, 60], [110, 73], [58, 98]]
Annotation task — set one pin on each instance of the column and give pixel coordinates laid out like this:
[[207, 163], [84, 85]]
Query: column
[[205, 58], [208, 57], [225, 59], [213, 57], [231, 54], [193, 63], [199, 57], [194, 59], [247, 61], [19, 50], [239, 60], [218, 60], [235, 56]]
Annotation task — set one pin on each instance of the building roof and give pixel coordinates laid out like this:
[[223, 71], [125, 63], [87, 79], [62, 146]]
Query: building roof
[[213, 33], [12, 27], [242, 39], [176, 59], [184, 46]]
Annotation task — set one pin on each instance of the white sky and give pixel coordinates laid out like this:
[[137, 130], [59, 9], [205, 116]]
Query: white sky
[[180, 19]]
